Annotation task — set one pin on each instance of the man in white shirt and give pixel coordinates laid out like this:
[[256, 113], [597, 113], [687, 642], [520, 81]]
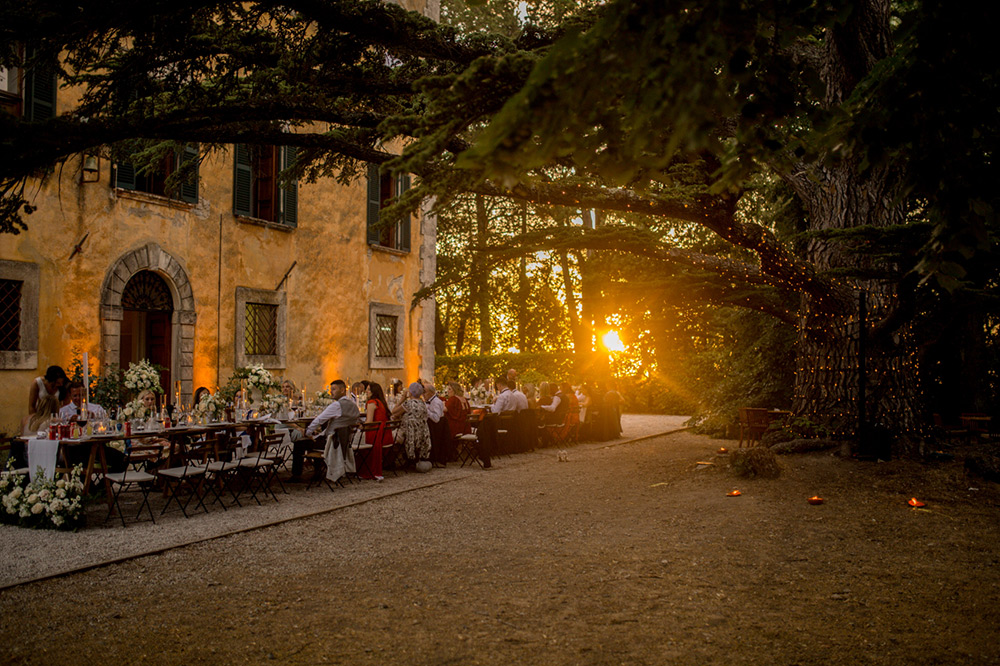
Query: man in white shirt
[[520, 400], [75, 410], [506, 401], [435, 405], [338, 414]]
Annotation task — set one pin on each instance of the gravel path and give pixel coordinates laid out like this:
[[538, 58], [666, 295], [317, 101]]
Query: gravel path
[[34, 554], [626, 554]]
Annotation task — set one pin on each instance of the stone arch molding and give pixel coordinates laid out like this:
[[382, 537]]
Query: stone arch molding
[[151, 257]]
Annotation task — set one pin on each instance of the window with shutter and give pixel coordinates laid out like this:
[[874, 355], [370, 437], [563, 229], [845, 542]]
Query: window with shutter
[[383, 188], [257, 189], [127, 177], [40, 84]]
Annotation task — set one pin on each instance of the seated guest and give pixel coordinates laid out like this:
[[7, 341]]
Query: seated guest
[[441, 445], [520, 400], [47, 408], [435, 405], [531, 396], [506, 400], [544, 394], [376, 411], [456, 410], [413, 413], [289, 391], [76, 410], [555, 411], [45, 386], [340, 413], [199, 393], [512, 378]]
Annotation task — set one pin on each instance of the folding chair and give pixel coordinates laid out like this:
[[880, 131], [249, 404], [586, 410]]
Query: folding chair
[[222, 464], [341, 438], [363, 450], [190, 472], [257, 469], [391, 452], [138, 459], [279, 452]]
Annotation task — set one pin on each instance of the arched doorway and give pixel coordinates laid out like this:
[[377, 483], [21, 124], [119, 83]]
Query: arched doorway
[[173, 320], [147, 309]]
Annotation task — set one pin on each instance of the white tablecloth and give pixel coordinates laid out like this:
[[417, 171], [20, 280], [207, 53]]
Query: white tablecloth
[[42, 452]]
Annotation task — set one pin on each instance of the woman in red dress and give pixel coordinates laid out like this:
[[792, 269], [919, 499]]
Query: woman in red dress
[[376, 411], [456, 408]]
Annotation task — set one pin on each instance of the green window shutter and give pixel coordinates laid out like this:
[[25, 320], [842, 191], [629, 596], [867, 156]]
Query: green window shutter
[[374, 203], [402, 185], [189, 188], [242, 181], [125, 176], [40, 85], [289, 191]]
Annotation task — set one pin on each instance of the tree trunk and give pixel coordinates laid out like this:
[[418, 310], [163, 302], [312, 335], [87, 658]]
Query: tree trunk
[[842, 196], [481, 275], [523, 292]]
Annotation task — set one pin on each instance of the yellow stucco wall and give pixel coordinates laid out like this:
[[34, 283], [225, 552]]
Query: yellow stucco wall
[[336, 275]]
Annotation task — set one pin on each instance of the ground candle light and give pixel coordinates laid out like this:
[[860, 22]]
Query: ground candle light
[[815, 499], [915, 503]]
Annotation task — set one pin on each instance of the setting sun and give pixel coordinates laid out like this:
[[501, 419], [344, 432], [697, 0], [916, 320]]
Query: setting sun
[[612, 342]]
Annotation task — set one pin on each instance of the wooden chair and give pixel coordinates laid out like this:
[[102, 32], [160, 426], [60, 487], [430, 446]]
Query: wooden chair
[[363, 450], [258, 468], [190, 472], [753, 424], [139, 458]]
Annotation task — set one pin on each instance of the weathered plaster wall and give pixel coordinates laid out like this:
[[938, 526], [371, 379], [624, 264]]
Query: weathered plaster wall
[[336, 275]]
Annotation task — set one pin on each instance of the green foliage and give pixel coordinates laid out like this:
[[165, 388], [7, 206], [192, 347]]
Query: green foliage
[[537, 367]]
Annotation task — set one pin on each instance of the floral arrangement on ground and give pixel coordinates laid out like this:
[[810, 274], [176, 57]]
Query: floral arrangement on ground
[[43, 503]]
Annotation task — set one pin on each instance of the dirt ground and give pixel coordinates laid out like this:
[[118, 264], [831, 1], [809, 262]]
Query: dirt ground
[[628, 554]]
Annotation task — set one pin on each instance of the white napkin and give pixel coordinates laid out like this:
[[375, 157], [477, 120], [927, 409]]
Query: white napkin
[[42, 452]]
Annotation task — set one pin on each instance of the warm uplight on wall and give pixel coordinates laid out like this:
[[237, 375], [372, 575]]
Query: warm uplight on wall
[[612, 342]]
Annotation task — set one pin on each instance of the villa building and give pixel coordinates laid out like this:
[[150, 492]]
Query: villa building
[[232, 269]]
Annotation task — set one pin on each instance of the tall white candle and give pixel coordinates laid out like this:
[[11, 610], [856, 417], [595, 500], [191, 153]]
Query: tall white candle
[[86, 383]]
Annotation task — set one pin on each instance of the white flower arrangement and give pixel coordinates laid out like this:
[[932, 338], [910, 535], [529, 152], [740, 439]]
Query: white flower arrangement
[[135, 410], [209, 406], [323, 398], [478, 395], [274, 403], [43, 502], [259, 378], [142, 376]]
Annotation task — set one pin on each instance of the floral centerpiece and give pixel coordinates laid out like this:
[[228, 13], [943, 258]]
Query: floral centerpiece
[[323, 398], [260, 379], [142, 376], [46, 503], [274, 404], [478, 395], [135, 410], [210, 406]]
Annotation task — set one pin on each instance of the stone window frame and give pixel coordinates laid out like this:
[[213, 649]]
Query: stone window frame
[[386, 362], [246, 295], [29, 274]]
